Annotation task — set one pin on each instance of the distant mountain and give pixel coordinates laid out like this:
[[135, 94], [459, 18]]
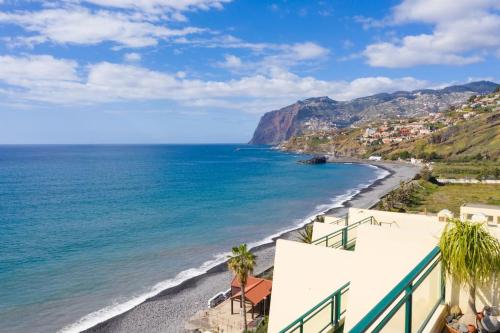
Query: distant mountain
[[323, 113]]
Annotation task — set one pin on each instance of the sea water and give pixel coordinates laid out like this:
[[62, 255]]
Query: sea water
[[88, 231]]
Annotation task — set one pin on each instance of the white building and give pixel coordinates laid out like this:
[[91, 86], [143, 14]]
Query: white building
[[474, 211], [366, 271], [375, 158]]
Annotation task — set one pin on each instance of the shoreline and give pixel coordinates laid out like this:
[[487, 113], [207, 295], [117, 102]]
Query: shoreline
[[170, 308]]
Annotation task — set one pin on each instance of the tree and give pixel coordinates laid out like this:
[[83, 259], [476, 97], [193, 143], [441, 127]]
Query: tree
[[306, 234], [426, 174], [471, 256], [241, 263]]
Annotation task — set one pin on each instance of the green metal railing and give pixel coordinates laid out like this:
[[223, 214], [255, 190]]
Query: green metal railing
[[324, 316], [401, 298], [341, 238]]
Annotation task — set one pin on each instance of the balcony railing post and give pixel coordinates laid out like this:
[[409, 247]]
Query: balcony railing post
[[344, 237], [326, 241], [332, 311], [443, 284], [302, 326], [408, 308], [337, 307]]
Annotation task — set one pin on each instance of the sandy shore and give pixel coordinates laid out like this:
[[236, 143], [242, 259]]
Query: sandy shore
[[169, 310]]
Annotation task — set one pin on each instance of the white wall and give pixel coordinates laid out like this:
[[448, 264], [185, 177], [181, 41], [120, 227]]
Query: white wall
[[383, 256], [331, 219], [323, 229], [494, 212], [357, 214], [303, 276]]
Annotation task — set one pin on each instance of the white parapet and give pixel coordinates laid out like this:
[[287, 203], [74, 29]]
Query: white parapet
[[303, 276], [322, 229], [383, 257], [357, 214]]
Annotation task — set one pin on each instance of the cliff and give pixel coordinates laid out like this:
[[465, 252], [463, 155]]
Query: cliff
[[324, 114]]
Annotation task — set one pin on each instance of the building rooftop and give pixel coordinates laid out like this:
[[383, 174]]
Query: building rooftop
[[256, 289]]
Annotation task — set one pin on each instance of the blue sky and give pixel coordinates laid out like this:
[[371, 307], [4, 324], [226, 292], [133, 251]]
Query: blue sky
[[189, 71]]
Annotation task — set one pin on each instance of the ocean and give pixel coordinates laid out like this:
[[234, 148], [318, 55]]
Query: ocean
[[89, 231]]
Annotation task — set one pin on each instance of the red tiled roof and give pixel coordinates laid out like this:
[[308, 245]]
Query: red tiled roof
[[256, 289]]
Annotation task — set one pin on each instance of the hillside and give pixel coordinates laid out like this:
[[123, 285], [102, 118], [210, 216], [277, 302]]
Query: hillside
[[325, 114], [465, 140], [470, 132]]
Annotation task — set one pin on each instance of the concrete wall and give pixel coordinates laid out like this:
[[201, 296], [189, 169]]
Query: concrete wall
[[331, 219], [485, 295], [494, 213], [467, 181], [303, 276], [323, 229], [357, 214], [383, 256]]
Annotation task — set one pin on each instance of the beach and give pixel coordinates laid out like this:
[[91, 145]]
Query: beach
[[169, 310]]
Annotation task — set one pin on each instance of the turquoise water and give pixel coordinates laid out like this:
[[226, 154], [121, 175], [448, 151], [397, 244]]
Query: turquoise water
[[89, 231]]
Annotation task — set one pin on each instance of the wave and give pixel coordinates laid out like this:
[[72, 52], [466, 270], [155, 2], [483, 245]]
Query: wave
[[115, 309]]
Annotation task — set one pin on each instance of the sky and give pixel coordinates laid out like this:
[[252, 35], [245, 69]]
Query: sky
[[204, 71]]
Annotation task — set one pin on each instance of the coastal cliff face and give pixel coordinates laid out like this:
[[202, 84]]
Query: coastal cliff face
[[307, 115], [323, 113]]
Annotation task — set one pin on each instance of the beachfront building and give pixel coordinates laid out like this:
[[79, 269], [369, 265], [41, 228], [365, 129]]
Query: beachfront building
[[481, 213], [226, 315], [370, 271], [257, 295]]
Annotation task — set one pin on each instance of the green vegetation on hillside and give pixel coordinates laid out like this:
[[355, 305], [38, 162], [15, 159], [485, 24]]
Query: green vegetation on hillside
[[342, 143], [481, 169], [424, 195]]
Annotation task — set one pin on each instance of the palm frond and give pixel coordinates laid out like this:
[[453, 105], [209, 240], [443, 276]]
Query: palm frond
[[306, 234]]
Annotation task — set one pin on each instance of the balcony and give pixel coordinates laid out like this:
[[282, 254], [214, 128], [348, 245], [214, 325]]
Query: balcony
[[382, 273], [407, 308], [332, 284]]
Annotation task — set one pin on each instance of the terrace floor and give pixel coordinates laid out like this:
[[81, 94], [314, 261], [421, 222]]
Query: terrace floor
[[221, 319]]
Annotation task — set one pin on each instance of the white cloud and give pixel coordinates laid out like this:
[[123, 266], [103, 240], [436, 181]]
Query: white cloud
[[463, 31], [227, 42], [308, 50], [270, 56], [55, 81], [161, 5], [132, 57], [80, 25], [435, 11], [231, 62], [36, 69], [180, 75]]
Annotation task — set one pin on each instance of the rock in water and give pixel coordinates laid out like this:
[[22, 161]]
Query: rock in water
[[315, 160]]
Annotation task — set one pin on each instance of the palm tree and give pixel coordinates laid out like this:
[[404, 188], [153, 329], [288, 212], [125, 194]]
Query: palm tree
[[470, 254], [241, 263], [306, 234]]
